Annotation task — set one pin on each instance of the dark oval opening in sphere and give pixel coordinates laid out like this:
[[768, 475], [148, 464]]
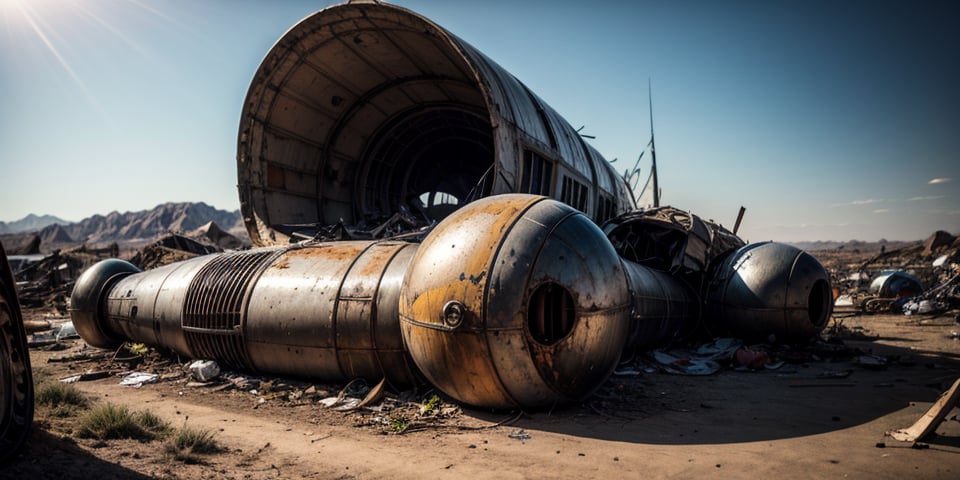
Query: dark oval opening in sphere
[[818, 306], [551, 314]]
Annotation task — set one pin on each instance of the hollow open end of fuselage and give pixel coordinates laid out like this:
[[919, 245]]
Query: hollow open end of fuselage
[[356, 116]]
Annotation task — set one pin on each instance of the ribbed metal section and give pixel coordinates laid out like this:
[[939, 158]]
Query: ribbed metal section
[[214, 306]]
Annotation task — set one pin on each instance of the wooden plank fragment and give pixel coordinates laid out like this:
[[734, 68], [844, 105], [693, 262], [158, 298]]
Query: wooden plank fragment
[[930, 420]]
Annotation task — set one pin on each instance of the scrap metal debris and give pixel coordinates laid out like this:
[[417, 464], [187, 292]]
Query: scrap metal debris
[[169, 249], [683, 363], [520, 434], [939, 298], [712, 357], [204, 370], [44, 282], [48, 281], [139, 379], [921, 278]]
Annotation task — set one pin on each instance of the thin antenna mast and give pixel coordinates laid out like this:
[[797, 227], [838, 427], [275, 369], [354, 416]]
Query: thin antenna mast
[[653, 151]]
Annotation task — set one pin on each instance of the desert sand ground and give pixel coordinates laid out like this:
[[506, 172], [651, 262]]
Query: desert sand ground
[[792, 422]]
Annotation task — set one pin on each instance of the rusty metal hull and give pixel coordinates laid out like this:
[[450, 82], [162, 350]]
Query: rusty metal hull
[[16, 378], [357, 110], [718, 284], [512, 301], [515, 301], [769, 291], [321, 311]]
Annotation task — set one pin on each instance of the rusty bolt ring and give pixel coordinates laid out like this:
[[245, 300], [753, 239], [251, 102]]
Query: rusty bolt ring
[[453, 313]]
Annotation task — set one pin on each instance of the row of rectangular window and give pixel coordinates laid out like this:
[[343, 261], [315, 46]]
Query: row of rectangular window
[[536, 179]]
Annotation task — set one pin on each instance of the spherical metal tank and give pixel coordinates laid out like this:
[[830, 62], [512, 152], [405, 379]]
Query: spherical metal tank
[[895, 284], [515, 300], [769, 289]]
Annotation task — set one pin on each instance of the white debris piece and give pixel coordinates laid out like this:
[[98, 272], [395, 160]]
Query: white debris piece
[[139, 379], [204, 370]]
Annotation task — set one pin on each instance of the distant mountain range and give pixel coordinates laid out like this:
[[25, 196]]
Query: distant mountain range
[[31, 223], [127, 227], [199, 219], [853, 245]]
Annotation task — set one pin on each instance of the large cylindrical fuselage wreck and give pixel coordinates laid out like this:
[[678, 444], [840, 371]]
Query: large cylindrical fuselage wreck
[[419, 214], [364, 110]]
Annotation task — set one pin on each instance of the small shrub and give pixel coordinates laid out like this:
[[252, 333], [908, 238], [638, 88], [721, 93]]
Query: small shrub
[[58, 400], [110, 421], [138, 349], [188, 442], [430, 406], [55, 394], [399, 424], [151, 422], [41, 375]]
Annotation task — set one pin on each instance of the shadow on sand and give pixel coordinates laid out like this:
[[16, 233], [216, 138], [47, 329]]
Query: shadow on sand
[[46, 456], [733, 406]]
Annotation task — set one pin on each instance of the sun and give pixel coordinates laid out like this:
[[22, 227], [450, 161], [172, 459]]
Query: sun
[[9, 5], [14, 12]]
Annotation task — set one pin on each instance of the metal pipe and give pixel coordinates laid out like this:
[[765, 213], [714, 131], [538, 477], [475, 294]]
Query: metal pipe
[[512, 301], [325, 311], [736, 225], [662, 307]]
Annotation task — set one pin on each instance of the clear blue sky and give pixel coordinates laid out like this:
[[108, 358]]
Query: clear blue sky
[[827, 120]]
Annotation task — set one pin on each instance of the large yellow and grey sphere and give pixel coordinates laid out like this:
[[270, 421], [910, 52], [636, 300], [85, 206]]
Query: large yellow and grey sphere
[[515, 300]]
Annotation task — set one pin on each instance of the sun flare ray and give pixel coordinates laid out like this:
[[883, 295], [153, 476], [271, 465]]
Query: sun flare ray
[[31, 17]]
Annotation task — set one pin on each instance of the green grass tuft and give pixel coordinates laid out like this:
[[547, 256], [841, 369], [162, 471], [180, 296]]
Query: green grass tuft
[[151, 422], [110, 421], [188, 442], [54, 394], [431, 406], [138, 348], [399, 423]]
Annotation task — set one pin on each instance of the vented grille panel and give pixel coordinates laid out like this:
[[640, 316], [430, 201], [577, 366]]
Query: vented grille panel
[[214, 303]]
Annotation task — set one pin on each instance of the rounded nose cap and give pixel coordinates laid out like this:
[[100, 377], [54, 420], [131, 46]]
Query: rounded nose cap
[[770, 288], [86, 301]]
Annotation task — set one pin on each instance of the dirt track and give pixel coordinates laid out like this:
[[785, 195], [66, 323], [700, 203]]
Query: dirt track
[[789, 422]]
